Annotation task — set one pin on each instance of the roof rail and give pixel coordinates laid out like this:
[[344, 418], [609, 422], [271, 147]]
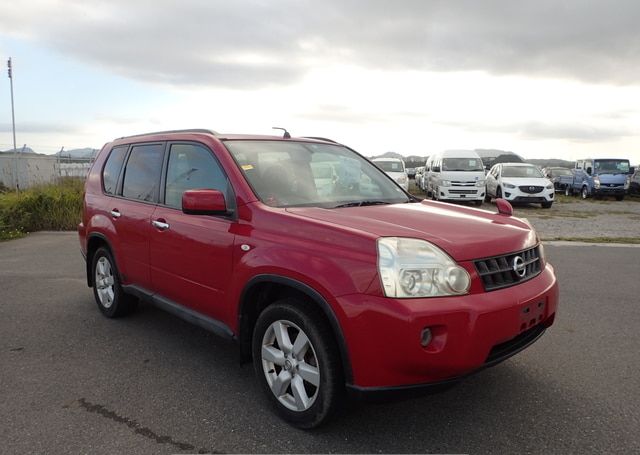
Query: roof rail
[[192, 130], [319, 138]]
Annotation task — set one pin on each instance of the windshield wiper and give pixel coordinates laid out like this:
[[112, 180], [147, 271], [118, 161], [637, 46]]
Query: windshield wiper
[[360, 204]]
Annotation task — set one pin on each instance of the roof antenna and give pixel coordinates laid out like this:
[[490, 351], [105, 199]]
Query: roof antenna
[[286, 134]]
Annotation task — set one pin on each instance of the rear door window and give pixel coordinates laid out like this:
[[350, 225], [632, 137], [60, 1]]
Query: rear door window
[[111, 170], [142, 172]]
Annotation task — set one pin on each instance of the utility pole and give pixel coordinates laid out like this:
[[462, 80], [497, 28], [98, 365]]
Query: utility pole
[[59, 177], [13, 120]]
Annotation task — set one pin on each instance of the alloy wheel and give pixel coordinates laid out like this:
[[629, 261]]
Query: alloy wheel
[[104, 282], [290, 365]]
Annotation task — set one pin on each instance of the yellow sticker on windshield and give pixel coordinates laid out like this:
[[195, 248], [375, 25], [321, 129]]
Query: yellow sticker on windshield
[[247, 167]]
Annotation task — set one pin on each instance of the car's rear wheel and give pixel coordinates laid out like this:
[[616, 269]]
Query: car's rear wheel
[[111, 299], [567, 190], [297, 362]]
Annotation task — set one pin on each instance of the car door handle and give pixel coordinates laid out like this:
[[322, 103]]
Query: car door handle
[[160, 224], [116, 213]]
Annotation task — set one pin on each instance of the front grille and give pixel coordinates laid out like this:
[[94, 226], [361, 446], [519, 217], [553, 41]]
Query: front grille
[[500, 271], [463, 191], [454, 183], [531, 189]]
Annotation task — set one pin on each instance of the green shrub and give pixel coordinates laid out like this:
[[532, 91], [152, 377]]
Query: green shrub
[[55, 207]]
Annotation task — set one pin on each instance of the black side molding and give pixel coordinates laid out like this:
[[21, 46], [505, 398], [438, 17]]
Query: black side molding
[[187, 314]]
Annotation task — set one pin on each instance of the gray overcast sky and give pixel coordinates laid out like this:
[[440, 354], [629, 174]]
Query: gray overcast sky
[[542, 78]]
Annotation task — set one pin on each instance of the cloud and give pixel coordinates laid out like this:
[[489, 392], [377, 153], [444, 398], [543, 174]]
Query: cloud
[[258, 43], [574, 132]]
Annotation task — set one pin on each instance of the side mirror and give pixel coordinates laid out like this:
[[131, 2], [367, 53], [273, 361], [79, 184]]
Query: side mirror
[[589, 170], [204, 202], [504, 207]]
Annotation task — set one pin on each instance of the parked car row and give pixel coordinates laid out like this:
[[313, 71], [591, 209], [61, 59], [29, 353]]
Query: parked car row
[[459, 175], [596, 178]]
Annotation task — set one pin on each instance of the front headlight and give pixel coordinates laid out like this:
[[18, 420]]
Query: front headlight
[[416, 268], [509, 185], [549, 186], [627, 183], [445, 183], [480, 183], [402, 179]]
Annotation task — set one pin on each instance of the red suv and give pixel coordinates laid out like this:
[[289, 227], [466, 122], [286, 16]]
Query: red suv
[[324, 271]]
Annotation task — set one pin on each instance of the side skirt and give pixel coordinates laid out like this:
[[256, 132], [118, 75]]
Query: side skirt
[[191, 316]]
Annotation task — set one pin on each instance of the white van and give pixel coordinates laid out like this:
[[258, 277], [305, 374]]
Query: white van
[[394, 168], [456, 175]]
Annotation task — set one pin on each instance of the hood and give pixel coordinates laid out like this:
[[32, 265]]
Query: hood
[[518, 181], [464, 233]]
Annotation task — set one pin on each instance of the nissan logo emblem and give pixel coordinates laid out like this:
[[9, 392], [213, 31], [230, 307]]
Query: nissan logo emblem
[[519, 267]]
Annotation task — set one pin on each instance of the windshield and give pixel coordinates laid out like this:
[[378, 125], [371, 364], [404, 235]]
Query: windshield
[[300, 174], [390, 166], [462, 164], [521, 171], [612, 166]]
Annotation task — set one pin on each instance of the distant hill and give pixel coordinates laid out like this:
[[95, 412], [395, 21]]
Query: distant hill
[[26, 150], [78, 153], [552, 163]]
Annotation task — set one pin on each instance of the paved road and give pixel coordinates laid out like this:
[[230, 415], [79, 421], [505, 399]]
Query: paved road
[[74, 381]]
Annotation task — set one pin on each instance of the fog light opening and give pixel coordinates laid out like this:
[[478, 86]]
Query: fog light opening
[[425, 337]]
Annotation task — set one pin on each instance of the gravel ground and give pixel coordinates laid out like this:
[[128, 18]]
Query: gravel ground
[[574, 218]]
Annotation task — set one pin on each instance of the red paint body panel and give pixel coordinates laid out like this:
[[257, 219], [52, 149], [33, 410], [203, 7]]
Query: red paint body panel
[[204, 262]]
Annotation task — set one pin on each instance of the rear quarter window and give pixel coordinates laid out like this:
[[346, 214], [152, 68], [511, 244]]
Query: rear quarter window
[[111, 170]]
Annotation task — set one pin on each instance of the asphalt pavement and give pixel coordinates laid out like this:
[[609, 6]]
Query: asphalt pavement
[[72, 381]]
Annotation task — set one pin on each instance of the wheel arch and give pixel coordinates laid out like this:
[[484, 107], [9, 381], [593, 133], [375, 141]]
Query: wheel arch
[[262, 290], [95, 240]]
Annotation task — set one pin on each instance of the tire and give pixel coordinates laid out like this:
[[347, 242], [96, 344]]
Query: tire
[[619, 198], [304, 400], [107, 291], [487, 198], [547, 205], [568, 191], [584, 193], [498, 193]]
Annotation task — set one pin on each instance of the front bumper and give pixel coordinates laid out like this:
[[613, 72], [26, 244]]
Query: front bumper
[[461, 193], [383, 335], [515, 195], [605, 190]]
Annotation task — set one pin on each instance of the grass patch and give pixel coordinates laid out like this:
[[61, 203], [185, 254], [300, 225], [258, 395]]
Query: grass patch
[[55, 207], [634, 240]]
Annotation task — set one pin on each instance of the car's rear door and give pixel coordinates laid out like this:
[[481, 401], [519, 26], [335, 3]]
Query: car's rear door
[[132, 208], [191, 255]]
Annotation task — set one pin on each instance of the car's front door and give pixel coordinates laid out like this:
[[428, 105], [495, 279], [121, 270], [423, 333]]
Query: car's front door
[[191, 255]]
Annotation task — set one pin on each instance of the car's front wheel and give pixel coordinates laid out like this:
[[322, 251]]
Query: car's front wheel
[[111, 299], [584, 193], [298, 363]]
